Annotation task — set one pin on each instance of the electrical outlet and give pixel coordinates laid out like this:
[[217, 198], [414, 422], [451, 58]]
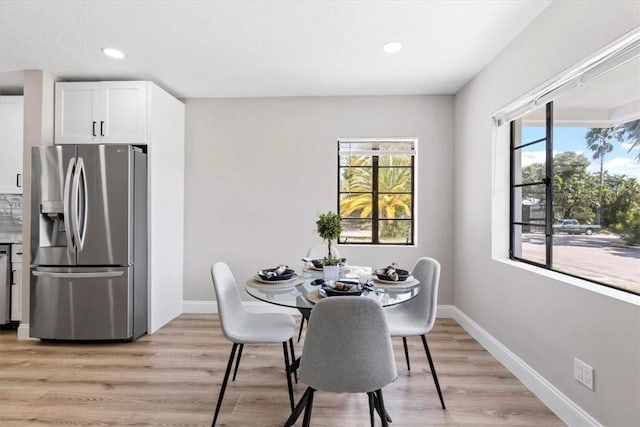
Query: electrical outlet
[[577, 370], [583, 373]]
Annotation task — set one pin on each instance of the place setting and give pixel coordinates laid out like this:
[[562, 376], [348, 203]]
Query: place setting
[[392, 277], [280, 277], [344, 287], [317, 265]]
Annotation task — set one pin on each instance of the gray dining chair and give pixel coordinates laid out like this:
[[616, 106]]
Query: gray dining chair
[[347, 349], [241, 327], [315, 252], [417, 316]]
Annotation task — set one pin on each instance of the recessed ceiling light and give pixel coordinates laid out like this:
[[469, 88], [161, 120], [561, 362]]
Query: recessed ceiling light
[[112, 53], [392, 47]]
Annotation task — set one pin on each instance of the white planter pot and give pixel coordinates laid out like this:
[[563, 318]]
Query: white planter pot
[[330, 272]]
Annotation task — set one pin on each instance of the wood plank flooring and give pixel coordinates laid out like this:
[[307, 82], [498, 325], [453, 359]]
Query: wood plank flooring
[[172, 378]]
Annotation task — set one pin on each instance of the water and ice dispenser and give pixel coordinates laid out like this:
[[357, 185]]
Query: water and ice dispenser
[[52, 224]]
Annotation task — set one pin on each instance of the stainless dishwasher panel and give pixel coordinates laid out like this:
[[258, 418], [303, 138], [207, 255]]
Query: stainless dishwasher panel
[[78, 303], [5, 284]]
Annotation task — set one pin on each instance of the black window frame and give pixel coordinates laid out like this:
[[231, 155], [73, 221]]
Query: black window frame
[[548, 182], [375, 193]]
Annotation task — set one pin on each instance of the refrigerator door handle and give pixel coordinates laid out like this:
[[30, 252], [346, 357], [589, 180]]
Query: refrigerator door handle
[[80, 275], [85, 204], [66, 206], [78, 229]]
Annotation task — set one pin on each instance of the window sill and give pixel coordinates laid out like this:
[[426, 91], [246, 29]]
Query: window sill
[[573, 281]]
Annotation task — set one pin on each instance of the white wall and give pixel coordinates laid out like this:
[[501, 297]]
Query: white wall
[[38, 130], [258, 172], [542, 319], [166, 206]]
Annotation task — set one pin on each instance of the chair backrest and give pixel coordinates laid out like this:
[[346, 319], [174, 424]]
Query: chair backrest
[[320, 251], [424, 305], [347, 348], [230, 308]]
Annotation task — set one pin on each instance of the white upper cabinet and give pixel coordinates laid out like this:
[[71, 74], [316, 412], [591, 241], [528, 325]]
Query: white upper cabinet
[[101, 113], [11, 141]]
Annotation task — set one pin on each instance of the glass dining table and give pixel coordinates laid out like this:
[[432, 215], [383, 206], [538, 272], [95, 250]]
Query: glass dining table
[[302, 293]]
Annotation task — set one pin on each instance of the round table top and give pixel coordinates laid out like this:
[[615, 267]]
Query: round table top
[[302, 293]]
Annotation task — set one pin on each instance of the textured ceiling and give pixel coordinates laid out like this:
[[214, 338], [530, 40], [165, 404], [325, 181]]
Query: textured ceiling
[[262, 48]]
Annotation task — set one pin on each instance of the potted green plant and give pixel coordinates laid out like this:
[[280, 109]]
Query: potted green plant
[[329, 227]]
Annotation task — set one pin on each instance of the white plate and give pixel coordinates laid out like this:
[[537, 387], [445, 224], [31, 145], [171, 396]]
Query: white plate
[[274, 282], [392, 282]]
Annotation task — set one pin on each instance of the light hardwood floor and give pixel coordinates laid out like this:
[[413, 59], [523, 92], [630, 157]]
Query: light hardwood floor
[[172, 378]]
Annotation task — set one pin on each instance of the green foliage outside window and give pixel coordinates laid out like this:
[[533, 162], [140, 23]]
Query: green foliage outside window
[[612, 201], [394, 188]]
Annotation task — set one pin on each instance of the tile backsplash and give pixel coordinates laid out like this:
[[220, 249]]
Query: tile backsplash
[[10, 212]]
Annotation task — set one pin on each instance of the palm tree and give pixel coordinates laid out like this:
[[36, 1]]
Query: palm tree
[[599, 142], [394, 176], [632, 133]]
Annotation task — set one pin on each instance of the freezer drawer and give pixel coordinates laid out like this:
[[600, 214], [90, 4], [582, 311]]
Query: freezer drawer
[[82, 303]]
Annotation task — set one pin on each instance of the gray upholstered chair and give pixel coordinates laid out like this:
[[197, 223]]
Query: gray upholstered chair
[[347, 349], [241, 327], [316, 252], [417, 316]]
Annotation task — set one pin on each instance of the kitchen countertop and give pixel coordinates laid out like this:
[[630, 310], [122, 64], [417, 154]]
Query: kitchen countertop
[[10, 237]]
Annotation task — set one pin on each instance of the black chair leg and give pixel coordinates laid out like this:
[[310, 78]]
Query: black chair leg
[[305, 316], [406, 352], [378, 405], [235, 371], [307, 412], [433, 370], [287, 370], [224, 383], [384, 415], [293, 359], [371, 403], [295, 414]]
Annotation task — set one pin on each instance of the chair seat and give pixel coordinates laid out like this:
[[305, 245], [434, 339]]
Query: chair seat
[[259, 328], [404, 324]]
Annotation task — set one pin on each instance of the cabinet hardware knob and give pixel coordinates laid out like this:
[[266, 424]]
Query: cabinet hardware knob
[[93, 129]]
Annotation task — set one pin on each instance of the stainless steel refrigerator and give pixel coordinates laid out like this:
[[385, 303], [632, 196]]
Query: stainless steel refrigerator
[[88, 242]]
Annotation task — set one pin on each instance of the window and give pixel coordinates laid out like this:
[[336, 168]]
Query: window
[[575, 179], [376, 197]]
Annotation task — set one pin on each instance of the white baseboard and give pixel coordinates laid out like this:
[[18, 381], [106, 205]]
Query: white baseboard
[[446, 311], [567, 410], [199, 307], [211, 307], [23, 332]]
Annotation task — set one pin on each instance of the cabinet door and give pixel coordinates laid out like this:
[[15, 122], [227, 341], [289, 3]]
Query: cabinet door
[[11, 141], [124, 112], [77, 119], [16, 291]]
